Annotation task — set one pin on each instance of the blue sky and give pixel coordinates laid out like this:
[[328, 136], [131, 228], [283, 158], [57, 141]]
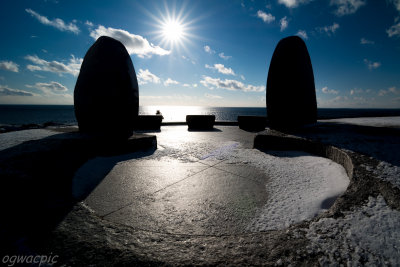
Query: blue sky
[[204, 52]]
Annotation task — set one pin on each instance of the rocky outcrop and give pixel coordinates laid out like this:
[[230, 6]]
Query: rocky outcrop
[[106, 95], [291, 100]]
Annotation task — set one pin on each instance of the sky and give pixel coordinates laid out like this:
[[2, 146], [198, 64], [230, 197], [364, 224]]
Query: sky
[[203, 52]]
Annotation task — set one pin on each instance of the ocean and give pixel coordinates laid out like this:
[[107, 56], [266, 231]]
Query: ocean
[[64, 114]]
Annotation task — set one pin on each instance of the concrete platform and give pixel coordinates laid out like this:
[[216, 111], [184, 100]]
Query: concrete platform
[[200, 199]]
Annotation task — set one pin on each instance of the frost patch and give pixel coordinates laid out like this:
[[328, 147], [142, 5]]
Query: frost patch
[[300, 186], [388, 173], [369, 235]]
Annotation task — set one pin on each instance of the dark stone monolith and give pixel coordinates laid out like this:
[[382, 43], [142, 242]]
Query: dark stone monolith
[[291, 100], [106, 95]]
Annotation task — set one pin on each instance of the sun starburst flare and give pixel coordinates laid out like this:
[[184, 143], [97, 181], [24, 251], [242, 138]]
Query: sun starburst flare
[[173, 28]]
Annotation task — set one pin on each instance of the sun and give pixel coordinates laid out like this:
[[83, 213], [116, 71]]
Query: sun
[[173, 30], [174, 27]]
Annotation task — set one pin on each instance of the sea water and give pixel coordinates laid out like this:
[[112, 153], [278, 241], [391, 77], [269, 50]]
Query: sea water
[[64, 114]]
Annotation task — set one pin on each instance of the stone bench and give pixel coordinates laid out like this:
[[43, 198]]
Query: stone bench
[[252, 123], [148, 122], [200, 122]]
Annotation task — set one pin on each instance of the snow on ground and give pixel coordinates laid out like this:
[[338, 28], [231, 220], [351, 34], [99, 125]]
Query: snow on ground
[[388, 172], [300, 187], [384, 148], [365, 235], [370, 121], [11, 139]]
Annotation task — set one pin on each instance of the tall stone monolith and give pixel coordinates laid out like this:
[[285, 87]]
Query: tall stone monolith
[[291, 100], [106, 96]]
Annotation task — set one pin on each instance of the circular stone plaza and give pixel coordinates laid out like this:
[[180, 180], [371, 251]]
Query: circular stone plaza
[[328, 194]]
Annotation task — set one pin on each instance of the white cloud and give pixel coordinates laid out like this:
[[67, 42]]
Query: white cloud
[[328, 29], [394, 30], [358, 91], [231, 85], [391, 90], [73, 67], [50, 88], [360, 99], [169, 81], [208, 49], [364, 41], [357, 102], [194, 85], [293, 3], [371, 65], [7, 91], [189, 59], [33, 67], [302, 34], [89, 23], [242, 77], [221, 55], [9, 65], [288, 3], [396, 4], [266, 17], [145, 76], [394, 90], [341, 98], [284, 23], [135, 44], [56, 23], [347, 7], [325, 90], [221, 69], [382, 92], [212, 96]]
